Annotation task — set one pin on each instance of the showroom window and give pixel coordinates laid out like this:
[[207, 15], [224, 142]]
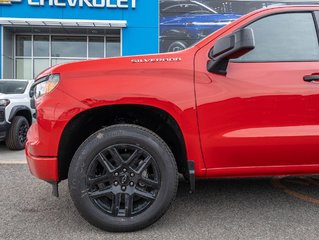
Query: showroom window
[[34, 53]]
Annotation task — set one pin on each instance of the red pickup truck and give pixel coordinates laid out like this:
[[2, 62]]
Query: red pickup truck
[[243, 102]]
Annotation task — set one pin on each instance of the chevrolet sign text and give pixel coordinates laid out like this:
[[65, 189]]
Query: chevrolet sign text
[[87, 3]]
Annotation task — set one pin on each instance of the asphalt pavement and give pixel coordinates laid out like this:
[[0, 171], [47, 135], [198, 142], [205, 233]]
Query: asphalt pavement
[[220, 209], [7, 156]]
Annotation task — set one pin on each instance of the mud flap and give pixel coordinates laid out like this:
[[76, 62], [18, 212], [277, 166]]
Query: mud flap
[[191, 176]]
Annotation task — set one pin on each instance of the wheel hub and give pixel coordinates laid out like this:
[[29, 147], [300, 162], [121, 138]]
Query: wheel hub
[[123, 180], [23, 129]]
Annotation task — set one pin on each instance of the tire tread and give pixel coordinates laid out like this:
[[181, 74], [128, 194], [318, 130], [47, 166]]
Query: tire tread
[[161, 142]]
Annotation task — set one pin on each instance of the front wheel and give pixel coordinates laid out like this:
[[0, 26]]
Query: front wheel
[[123, 178], [17, 134]]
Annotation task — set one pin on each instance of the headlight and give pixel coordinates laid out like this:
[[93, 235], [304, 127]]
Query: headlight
[[4, 102], [45, 85]]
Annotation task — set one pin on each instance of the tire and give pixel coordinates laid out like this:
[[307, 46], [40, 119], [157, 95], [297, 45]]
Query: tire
[[97, 176], [17, 134], [177, 46]]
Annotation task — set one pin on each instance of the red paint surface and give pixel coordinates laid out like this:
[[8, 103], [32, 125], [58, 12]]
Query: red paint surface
[[261, 119]]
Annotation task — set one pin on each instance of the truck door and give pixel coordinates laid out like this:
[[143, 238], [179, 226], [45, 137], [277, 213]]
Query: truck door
[[265, 111]]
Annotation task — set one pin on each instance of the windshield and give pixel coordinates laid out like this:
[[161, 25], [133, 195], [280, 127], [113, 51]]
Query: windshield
[[13, 87]]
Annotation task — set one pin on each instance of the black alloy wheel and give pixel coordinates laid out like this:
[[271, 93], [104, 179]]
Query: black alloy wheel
[[17, 133], [22, 132], [123, 178]]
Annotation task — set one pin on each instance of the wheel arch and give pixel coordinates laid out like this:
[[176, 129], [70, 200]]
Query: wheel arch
[[23, 111], [89, 121]]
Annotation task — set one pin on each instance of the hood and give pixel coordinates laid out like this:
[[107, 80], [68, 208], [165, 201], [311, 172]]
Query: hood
[[122, 67], [11, 96], [185, 18]]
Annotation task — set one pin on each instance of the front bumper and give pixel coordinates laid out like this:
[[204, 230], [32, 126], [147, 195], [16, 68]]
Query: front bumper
[[54, 111], [4, 126], [42, 167]]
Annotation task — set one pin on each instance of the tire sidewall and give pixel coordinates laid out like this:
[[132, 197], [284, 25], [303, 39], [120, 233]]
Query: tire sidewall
[[13, 141], [116, 135]]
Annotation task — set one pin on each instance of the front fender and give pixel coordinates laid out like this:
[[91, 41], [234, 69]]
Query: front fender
[[185, 119], [166, 84]]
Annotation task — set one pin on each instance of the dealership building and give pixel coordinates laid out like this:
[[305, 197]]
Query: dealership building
[[36, 34]]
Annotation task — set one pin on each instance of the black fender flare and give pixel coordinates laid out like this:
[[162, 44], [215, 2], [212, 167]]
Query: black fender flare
[[18, 108]]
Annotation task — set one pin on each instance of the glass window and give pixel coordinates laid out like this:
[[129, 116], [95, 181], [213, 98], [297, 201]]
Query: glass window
[[41, 46], [56, 61], [284, 37], [13, 87], [40, 64], [96, 47], [113, 47], [49, 50], [23, 46], [69, 46], [24, 68]]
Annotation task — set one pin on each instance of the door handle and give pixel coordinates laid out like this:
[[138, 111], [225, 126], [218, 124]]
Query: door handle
[[311, 78]]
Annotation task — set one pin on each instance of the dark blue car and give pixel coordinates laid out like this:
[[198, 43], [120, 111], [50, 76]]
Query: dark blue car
[[184, 23]]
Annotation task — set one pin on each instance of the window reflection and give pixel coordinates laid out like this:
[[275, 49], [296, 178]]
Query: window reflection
[[40, 64], [23, 46], [69, 46], [41, 46], [24, 69], [113, 47], [35, 53], [96, 47]]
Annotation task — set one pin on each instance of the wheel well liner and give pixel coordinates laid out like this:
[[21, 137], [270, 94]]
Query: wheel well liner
[[90, 121]]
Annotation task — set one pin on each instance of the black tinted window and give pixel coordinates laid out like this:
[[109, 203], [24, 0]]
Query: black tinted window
[[13, 87], [284, 37]]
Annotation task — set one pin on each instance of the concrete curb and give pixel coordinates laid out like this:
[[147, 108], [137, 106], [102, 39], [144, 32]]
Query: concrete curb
[[8, 162]]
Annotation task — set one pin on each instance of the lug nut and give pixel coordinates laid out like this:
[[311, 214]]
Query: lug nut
[[116, 183], [132, 174], [116, 174], [132, 184], [123, 188], [124, 169]]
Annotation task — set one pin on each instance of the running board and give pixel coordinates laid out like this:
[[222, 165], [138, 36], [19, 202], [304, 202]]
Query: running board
[[191, 176]]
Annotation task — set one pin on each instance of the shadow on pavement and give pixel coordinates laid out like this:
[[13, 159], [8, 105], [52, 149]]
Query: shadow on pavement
[[219, 209]]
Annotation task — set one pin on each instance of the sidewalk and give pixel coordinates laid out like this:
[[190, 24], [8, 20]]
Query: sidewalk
[[7, 156]]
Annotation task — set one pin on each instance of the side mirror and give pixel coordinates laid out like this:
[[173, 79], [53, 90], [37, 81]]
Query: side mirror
[[232, 46]]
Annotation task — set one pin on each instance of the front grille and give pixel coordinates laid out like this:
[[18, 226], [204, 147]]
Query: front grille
[[1, 115]]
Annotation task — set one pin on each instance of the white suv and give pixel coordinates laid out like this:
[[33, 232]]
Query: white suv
[[15, 112]]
